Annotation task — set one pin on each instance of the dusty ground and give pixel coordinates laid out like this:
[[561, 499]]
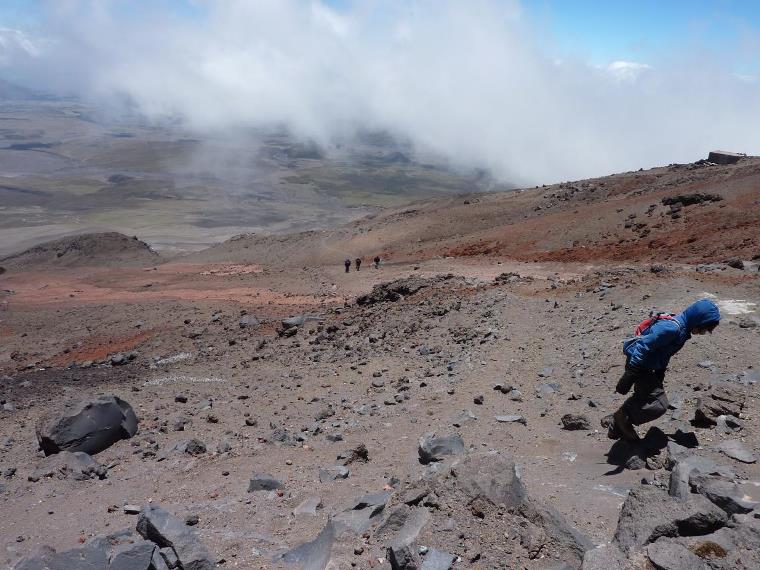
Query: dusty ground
[[562, 322]]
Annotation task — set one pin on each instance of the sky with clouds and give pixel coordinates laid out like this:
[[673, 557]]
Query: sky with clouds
[[535, 91]]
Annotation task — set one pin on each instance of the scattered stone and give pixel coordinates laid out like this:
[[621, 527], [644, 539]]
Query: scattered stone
[[192, 520], [263, 482], [180, 398], [308, 506], [511, 418], [479, 399], [432, 448], [192, 447], [89, 426], [248, 322], [132, 510], [363, 513], [463, 417], [358, 453], [78, 466], [573, 422], [328, 474]]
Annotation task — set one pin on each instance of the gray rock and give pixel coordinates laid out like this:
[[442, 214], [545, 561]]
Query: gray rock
[[511, 418], [308, 506], [66, 465], [438, 560], [432, 448], [572, 422], [263, 482], [315, 554], [722, 399], [193, 447], [158, 526], [685, 466], [248, 322], [137, 555], [403, 525], [735, 449], [491, 477], [89, 426], [403, 557], [363, 513], [328, 474], [93, 555], [605, 557], [463, 417], [649, 513], [547, 389], [669, 555], [725, 494]]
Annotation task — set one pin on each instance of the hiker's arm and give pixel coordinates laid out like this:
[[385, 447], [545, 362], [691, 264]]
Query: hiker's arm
[[626, 381], [662, 334]]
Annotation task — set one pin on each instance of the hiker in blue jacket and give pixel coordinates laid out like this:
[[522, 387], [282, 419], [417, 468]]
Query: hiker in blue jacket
[[647, 357]]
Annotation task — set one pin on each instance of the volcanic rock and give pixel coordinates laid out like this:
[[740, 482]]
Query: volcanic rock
[[432, 448], [78, 466], [89, 426], [158, 526]]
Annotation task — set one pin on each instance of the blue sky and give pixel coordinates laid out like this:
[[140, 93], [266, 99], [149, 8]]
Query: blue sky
[[596, 31]]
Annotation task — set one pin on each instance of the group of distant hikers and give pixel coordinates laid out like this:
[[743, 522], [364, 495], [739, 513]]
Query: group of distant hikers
[[358, 262]]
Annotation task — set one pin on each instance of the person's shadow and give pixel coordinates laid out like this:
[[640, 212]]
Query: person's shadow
[[633, 455]]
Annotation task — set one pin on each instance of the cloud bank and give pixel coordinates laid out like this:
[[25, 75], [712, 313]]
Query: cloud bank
[[471, 80]]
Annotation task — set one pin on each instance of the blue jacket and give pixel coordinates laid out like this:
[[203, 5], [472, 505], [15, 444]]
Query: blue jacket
[[652, 350]]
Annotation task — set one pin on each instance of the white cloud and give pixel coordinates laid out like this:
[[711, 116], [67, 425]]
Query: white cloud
[[15, 46], [468, 80], [627, 70]]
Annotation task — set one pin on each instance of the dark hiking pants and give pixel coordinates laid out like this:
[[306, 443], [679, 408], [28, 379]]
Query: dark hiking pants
[[648, 401]]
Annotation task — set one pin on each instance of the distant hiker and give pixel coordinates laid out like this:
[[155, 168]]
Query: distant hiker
[[377, 262], [347, 263], [358, 263], [647, 355]]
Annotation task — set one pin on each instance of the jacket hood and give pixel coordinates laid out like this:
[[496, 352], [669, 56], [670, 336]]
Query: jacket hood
[[700, 314]]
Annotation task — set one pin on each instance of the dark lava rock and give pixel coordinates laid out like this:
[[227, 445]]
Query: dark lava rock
[[263, 482], [89, 426], [575, 422]]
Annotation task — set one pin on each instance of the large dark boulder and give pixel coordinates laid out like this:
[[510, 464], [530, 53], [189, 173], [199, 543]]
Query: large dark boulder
[[89, 426]]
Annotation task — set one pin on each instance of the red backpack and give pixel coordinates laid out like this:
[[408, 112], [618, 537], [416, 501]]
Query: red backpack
[[652, 319]]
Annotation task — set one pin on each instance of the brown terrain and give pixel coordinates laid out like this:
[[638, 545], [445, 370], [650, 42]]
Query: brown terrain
[[530, 290]]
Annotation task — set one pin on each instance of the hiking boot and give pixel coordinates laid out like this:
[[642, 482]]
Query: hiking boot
[[625, 427]]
